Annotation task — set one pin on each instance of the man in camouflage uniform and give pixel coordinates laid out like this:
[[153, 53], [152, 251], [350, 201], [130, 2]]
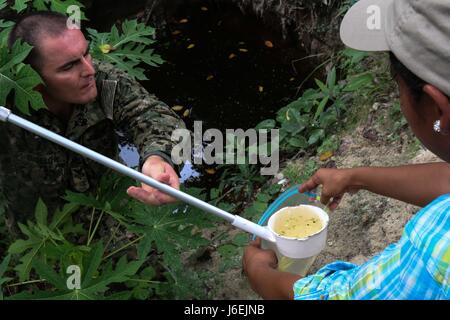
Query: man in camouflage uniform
[[87, 102]]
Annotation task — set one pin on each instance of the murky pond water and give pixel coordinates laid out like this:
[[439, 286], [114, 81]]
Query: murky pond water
[[223, 67]]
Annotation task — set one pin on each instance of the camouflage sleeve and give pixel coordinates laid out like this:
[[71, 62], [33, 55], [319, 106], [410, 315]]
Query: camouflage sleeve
[[144, 119]]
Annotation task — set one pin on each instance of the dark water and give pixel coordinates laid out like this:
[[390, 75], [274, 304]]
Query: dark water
[[230, 78], [224, 68]]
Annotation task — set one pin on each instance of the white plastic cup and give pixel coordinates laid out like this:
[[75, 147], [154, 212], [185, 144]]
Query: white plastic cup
[[296, 255]]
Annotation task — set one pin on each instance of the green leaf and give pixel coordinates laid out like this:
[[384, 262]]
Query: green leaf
[[92, 264], [20, 78], [126, 49], [227, 250], [20, 5], [315, 136], [3, 4], [3, 267], [58, 6], [322, 86], [320, 108], [240, 239], [41, 212], [331, 79], [298, 142], [46, 272], [266, 124], [358, 82], [5, 29]]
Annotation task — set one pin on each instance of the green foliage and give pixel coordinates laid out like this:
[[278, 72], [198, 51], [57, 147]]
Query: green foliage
[[52, 244], [311, 119], [18, 77], [60, 6], [3, 267], [126, 49], [43, 240]]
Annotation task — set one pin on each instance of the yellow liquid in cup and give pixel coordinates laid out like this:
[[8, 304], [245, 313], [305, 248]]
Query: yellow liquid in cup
[[299, 222]]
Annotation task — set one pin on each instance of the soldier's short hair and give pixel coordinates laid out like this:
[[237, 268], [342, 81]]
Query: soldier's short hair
[[31, 27]]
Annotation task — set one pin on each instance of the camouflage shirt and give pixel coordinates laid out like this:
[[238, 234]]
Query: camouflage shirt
[[32, 167]]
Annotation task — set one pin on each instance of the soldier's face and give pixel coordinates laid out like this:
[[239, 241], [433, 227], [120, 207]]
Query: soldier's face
[[67, 69]]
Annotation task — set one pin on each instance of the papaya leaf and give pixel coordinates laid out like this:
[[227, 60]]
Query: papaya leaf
[[19, 78], [94, 287], [127, 48], [3, 4], [58, 6], [5, 28], [41, 212], [20, 5]]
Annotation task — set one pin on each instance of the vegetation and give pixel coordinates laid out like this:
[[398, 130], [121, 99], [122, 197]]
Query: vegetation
[[127, 250]]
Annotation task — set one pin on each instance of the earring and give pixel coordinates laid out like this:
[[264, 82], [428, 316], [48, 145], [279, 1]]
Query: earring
[[437, 126]]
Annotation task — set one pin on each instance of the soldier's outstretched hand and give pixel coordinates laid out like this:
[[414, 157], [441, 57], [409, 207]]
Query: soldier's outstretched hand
[[158, 169]]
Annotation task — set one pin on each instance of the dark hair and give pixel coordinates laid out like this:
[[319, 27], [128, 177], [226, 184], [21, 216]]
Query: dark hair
[[414, 83], [32, 27]]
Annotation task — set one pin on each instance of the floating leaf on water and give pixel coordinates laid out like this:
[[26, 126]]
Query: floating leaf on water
[[268, 44], [176, 32], [204, 8], [183, 21], [106, 48], [231, 56], [186, 113], [177, 108], [260, 88], [243, 50], [210, 171], [210, 77], [326, 155], [191, 46]]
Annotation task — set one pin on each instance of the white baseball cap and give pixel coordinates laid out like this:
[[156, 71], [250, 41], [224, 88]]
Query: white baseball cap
[[416, 31]]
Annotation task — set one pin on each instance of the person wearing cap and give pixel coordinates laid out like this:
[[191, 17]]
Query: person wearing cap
[[417, 35]]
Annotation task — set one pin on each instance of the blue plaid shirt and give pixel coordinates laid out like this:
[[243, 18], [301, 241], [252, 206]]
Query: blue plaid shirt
[[416, 267]]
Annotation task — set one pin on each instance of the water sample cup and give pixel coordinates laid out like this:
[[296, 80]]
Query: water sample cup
[[300, 234]]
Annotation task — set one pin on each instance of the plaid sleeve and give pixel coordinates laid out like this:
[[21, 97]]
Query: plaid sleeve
[[416, 267]]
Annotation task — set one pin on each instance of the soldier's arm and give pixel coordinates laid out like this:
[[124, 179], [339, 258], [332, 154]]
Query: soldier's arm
[[148, 121]]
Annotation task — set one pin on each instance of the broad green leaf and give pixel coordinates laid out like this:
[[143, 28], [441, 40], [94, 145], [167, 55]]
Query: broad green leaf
[[20, 78], [298, 142], [41, 212], [127, 48], [240, 239], [20, 5], [358, 82], [3, 4], [58, 6], [266, 124], [227, 250], [355, 55], [92, 263], [83, 200], [315, 136], [5, 28], [46, 272]]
